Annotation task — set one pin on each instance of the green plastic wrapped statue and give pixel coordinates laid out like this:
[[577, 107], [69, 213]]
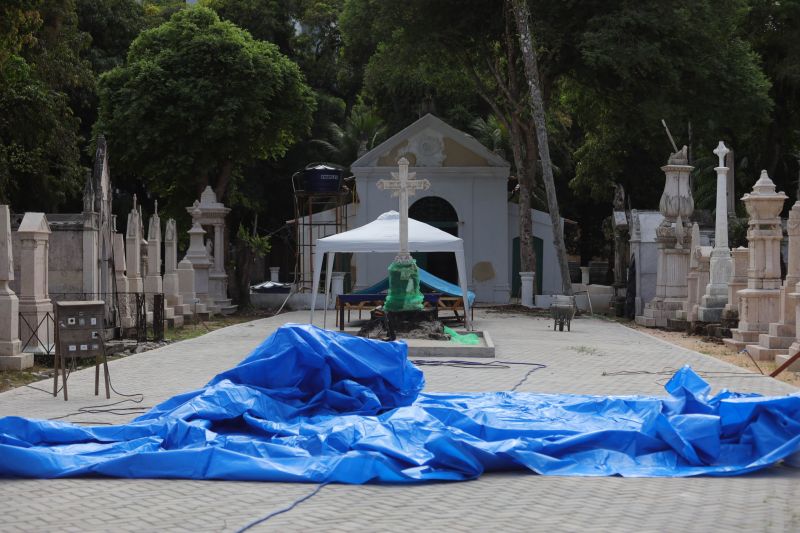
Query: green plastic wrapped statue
[[404, 293]]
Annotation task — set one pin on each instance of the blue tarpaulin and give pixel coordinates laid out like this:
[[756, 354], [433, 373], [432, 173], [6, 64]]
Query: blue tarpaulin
[[319, 406], [427, 280]]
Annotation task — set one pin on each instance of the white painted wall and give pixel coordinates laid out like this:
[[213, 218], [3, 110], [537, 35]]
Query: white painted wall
[[478, 195], [542, 229]]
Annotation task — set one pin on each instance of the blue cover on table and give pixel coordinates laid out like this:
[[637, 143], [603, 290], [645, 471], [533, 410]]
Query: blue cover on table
[[314, 405], [427, 280]]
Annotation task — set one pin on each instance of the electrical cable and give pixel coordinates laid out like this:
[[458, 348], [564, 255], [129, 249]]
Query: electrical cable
[[457, 363], [667, 371], [527, 375], [284, 510], [108, 408]]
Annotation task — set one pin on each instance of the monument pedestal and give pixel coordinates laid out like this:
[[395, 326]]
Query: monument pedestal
[[11, 357], [671, 290], [716, 294]]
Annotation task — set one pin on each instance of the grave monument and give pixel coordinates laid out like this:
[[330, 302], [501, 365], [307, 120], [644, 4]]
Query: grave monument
[[172, 292], [716, 292], [676, 206], [197, 256], [11, 357], [211, 213], [35, 308], [760, 301], [781, 334]]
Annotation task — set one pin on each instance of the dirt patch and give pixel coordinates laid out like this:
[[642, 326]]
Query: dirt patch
[[715, 348]]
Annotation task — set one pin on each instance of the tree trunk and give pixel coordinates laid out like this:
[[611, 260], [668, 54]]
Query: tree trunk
[[527, 254], [224, 179], [522, 15]]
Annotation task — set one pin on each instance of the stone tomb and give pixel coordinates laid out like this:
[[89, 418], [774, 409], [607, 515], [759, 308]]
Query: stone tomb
[[760, 301]]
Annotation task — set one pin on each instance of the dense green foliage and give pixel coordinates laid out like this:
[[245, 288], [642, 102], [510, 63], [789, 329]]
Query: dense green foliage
[[242, 93], [196, 98]]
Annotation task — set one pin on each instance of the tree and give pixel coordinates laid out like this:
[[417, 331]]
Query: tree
[[41, 77], [521, 15], [266, 20], [363, 130], [196, 99]]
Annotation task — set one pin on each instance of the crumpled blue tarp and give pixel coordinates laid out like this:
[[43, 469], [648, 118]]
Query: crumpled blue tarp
[[314, 405]]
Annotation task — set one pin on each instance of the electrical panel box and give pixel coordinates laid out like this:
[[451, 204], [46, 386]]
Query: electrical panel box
[[79, 328]]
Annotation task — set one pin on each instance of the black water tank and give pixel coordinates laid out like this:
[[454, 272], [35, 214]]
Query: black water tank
[[322, 177]]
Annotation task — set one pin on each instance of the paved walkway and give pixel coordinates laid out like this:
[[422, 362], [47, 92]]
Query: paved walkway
[[577, 361]]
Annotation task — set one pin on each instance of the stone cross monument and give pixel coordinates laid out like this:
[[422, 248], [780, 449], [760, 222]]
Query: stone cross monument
[[716, 292], [403, 185], [403, 293]]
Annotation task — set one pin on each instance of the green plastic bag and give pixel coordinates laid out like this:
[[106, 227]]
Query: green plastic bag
[[403, 293], [469, 338]]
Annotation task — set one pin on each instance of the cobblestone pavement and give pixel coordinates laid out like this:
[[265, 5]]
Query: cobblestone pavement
[[577, 362]]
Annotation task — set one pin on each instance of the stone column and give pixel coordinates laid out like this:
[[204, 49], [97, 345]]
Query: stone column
[[171, 281], [153, 284], [186, 283], [337, 286], [11, 357], [274, 273], [716, 292], [133, 239], [526, 290], [740, 258], [123, 291], [691, 277], [34, 297], [761, 299], [585, 275], [219, 249]]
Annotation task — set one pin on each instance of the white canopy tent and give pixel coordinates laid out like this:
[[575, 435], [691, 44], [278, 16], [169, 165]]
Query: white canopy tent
[[383, 235]]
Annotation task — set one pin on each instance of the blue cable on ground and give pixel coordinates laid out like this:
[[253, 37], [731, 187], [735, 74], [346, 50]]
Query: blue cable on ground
[[284, 510]]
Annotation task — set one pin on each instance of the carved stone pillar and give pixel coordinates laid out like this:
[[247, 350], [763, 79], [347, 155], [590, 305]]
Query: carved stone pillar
[[11, 357], [35, 329]]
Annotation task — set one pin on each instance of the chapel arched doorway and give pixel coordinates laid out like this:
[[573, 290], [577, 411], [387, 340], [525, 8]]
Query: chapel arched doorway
[[439, 213]]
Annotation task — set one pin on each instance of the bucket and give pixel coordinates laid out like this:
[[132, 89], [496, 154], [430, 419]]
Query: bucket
[[322, 177]]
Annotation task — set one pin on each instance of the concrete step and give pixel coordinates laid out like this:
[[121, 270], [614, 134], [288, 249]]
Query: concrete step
[[647, 322], [782, 358], [228, 309], [175, 322], [677, 324], [776, 329], [773, 342], [734, 345], [745, 337], [760, 353]]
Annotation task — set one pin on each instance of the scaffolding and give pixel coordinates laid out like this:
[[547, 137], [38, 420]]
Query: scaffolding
[[316, 215]]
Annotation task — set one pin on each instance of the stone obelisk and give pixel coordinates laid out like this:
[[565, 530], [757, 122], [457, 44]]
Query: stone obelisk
[[716, 294]]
